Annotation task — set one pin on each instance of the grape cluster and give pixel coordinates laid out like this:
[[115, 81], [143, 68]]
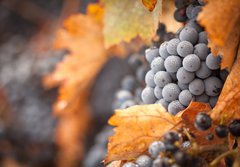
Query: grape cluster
[[183, 70], [132, 84], [174, 150], [187, 9]]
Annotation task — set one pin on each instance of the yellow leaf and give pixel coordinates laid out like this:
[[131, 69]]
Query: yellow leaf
[[222, 22], [149, 4], [137, 127], [125, 20]]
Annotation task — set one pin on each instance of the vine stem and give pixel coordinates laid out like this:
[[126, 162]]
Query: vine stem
[[216, 160]]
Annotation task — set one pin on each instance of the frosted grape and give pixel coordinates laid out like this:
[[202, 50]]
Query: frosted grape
[[128, 83], [162, 78], [155, 148], [191, 63], [202, 98], [201, 50], [193, 24], [174, 107], [184, 76], [172, 46], [203, 72], [185, 97], [213, 86], [158, 92], [182, 86], [151, 53], [212, 62], [163, 50], [189, 34], [144, 161], [189, 11], [202, 37], [130, 164], [163, 102], [148, 96], [196, 87], [170, 92], [184, 48], [157, 64], [172, 63], [213, 101], [149, 78], [195, 11]]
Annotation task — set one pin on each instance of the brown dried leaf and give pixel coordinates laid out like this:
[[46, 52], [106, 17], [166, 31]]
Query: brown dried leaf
[[137, 127], [222, 22], [228, 106], [149, 4]]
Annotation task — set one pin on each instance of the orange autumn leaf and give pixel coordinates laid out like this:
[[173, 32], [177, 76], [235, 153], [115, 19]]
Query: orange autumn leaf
[[115, 164], [136, 128], [228, 106], [221, 20], [149, 4], [82, 37]]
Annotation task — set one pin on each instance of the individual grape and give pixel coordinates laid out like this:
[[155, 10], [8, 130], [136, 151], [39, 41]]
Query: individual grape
[[213, 101], [184, 48], [127, 104], [184, 76], [130, 164], [162, 78], [185, 97], [203, 121], [148, 95], [163, 102], [172, 63], [171, 137], [202, 37], [189, 11], [212, 62], [144, 161], [128, 83], [213, 86], [149, 79], [196, 87], [174, 107], [182, 86], [234, 127], [141, 72], [158, 92], [202, 98], [195, 11], [189, 34], [203, 72], [221, 131], [170, 92], [160, 162], [180, 15], [157, 64], [151, 53], [172, 46], [223, 74], [191, 63], [193, 24], [180, 3], [182, 158], [173, 76], [135, 61], [201, 50], [163, 50], [155, 148]]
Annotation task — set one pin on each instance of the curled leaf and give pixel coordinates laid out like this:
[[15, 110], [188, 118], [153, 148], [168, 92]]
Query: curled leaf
[[149, 4], [136, 128], [222, 22]]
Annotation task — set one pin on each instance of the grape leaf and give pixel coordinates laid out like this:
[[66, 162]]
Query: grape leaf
[[137, 127], [149, 4], [125, 20], [82, 37], [222, 22], [228, 106]]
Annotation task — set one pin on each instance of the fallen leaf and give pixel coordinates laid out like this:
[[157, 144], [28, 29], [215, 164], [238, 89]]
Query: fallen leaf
[[221, 20], [136, 128], [125, 20], [228, 106], [149, 4]]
